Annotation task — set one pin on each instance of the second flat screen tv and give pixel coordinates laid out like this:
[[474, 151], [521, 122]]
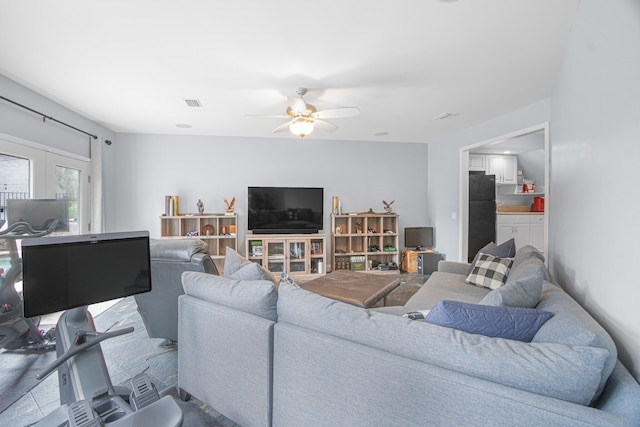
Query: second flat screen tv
[[285, 210]]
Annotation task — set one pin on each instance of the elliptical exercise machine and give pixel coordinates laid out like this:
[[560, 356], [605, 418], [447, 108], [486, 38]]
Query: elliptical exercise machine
[[16, 331], [69, 273]]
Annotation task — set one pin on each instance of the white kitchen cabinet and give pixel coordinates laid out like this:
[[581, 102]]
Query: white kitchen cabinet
[[525, 229], [537, 231], [477, 162], [505, 168]]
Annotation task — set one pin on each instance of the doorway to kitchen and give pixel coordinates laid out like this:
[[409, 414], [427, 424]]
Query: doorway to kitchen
[[514, 159]]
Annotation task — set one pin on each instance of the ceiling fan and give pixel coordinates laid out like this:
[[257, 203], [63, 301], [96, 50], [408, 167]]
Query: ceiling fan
[[303, 118]]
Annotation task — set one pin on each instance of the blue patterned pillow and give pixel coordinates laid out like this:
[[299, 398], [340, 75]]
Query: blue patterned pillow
[[514, 323]]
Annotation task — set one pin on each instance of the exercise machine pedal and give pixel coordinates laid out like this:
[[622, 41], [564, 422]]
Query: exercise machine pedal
[[81, 415], [143, 393]]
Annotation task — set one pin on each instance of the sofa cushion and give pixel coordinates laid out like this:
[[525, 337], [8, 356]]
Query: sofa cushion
[[442, 285], [512, 323], [526, 252], [176, 249], [506, 249], [572, 325], [518, 293], [554, 370], [490, 271], [257, 297]]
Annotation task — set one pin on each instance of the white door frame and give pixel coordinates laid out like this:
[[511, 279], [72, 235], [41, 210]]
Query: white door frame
[[463, 224], [42, 168]]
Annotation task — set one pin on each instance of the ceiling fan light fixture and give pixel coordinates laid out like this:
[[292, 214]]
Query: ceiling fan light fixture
[[301, 127]]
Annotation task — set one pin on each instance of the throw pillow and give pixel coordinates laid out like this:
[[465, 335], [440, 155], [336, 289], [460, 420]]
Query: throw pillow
[[233, 261], [238, 267], [525, 293], [506, 249], [512, 323], [285, 278], [490, 271]]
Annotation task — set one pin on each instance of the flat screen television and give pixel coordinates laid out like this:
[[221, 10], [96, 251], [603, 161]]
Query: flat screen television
[[285, 210], [60, 273], [418, 238], [37, 212]]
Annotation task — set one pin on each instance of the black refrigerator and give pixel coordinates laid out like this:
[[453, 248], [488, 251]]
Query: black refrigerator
[[482, 212]]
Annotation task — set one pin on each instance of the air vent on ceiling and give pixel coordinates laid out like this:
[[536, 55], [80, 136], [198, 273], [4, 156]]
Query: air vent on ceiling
[[193, 102], [445, 116]]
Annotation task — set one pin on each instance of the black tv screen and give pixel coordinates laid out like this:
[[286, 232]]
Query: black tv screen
[[276, 210], [418, 237], [61, 273]]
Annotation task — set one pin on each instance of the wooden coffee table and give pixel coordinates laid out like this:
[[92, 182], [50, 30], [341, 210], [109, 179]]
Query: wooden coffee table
[[361, 289]]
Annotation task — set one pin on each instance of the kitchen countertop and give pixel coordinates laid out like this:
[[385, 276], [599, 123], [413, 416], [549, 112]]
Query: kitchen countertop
[[516, 210], [520, 213]]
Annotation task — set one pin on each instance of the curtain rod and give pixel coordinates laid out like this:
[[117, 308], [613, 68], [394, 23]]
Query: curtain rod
[[45, 117]]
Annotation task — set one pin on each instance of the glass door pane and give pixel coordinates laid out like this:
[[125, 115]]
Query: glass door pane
[[67, 179], [15, 183], [68, 188], [297, 257]]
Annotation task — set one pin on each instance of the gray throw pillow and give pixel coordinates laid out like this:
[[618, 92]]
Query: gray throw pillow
[[506, 249], [233, 261], [524, 293]]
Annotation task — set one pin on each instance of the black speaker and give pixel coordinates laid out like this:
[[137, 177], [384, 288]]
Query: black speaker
[[428, 263]]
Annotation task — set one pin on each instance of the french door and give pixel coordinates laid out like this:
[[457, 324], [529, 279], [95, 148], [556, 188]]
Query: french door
[[34, 173]]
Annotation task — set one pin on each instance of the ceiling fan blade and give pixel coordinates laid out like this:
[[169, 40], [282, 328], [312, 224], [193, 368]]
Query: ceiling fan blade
[[325, 126], [283, 127], [266, 115], [337, 113]]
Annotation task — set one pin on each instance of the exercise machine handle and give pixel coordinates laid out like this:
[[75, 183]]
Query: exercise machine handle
[[101, 336]]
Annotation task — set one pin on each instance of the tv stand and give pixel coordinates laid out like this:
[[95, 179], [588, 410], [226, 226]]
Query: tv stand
[[302, 256]]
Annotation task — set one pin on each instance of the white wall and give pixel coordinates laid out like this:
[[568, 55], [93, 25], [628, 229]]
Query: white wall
[[20, 125], [595, 139], [142, 169], [444, 169]]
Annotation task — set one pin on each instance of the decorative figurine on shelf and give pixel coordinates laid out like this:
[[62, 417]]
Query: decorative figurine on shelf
[[230, 206], [387, 207], [200, 206], [358, 228], [223, 231]]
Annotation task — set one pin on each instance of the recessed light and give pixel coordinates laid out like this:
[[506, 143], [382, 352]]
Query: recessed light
[[507, 152], [381, 134], [183, 125]]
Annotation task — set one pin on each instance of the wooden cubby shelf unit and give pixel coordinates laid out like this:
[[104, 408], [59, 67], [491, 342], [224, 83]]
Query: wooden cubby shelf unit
[[365, 236]]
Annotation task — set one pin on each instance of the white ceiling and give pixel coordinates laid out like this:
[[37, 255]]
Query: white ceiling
[[130, 65]]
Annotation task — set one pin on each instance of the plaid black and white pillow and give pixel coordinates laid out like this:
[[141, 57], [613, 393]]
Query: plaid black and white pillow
[[490, 271]]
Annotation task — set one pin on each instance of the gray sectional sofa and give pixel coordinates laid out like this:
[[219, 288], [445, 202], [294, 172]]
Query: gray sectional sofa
[[289, 357]]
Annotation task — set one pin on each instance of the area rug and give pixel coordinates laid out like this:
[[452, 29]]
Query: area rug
[[18, 371]]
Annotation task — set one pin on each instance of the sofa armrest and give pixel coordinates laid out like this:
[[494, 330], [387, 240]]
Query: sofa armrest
[[453, 267]]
